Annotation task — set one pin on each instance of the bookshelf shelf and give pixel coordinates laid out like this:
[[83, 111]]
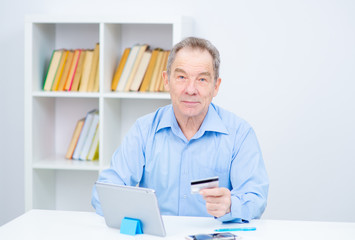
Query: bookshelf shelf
[[135, 95], [51, 181], [59, 163], [66, 94]]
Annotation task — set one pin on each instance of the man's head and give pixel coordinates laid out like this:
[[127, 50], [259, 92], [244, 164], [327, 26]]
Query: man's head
[[196, 43], [192, 78]]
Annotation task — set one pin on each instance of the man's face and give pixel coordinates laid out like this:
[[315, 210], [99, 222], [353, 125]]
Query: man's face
[[191, 84]]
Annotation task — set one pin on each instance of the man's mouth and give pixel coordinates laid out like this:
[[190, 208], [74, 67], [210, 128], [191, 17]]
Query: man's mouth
[[190, 103]]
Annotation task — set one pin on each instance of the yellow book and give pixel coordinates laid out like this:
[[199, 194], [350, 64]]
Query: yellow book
[[161, 88], [78, 72], [66, 70], [86, 71], [72, 70], [142, 68], [148, 74], [74, 138], [60, 70], [156, 71], [97, 80], [136, 64], [95, 63], [119, 69]]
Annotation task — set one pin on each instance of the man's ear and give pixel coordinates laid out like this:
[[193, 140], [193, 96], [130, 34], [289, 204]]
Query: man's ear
[[216, 87], [166, 80]]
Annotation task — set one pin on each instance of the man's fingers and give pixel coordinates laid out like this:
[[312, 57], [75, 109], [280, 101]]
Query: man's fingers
[[214, 192], [218, 201]]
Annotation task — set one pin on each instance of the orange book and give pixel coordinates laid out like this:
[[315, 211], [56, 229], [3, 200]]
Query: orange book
[[95, 63], [78, 72], [60, 70], [52, 69], [156, 71], [66, 70], [72, 70], [148, 74], [119, 69], [74, 139]]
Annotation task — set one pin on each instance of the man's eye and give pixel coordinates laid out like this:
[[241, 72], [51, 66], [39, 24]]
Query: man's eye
[[203, 79], [181, 77]]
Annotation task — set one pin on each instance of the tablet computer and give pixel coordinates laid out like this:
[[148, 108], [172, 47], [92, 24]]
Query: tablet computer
[[119, 201]]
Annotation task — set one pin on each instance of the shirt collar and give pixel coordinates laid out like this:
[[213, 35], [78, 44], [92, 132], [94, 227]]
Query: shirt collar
[[212, 122]]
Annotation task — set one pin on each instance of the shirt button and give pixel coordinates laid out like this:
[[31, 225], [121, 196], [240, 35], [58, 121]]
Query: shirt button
[[185, 196]]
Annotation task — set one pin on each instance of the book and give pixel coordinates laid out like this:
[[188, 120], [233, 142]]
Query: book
[[136, 64], [72, 70], [74, 139], [60, 70], [161, 87], [94, 148], [155, 75], [119, 69], [66, 70], [127, 68], [84, 82], [52, 69], [90, 136], [148, 75], [138, 78], [94, 67], [97, 80], [84, 132], [160, 70], [78, 72]]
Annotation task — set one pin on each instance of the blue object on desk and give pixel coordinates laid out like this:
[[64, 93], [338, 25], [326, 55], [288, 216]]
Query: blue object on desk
[[131, 226], [235, 229]]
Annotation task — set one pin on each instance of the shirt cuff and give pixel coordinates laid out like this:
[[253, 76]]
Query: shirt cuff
[[227, 218], [238, 213]]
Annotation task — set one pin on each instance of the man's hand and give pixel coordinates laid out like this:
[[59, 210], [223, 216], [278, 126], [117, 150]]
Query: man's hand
[[218, 201]]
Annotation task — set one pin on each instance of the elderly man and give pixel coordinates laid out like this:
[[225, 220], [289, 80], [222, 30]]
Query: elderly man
[[193, 139]]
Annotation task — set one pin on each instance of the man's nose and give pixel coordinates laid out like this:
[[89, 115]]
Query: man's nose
[[191, 87]]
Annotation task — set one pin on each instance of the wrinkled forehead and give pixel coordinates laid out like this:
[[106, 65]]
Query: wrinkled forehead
[[193, 57]]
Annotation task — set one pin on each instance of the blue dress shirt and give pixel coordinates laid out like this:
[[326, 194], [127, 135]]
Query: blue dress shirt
[[156, 154]]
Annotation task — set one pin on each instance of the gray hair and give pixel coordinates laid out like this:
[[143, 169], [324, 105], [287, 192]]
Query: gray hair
[[195, 43]]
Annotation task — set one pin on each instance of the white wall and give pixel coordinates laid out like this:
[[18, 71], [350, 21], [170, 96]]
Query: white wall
[[288, 67]]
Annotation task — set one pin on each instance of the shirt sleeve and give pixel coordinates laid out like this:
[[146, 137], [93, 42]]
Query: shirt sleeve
[[249, 182], [126, 164]]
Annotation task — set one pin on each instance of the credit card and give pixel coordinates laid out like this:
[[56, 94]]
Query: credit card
[[197, 185]]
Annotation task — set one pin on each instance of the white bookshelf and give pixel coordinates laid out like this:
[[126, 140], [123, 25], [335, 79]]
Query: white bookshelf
[[51, 181]]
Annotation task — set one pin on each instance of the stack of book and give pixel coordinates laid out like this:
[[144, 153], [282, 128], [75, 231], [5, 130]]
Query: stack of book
[[73, 70], [84, 144], [140, 69]]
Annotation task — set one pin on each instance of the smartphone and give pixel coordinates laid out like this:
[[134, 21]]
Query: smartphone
[[224, 236]]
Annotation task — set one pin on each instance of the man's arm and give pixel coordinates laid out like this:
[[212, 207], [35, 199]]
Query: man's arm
[[247, 199], [126, 165]]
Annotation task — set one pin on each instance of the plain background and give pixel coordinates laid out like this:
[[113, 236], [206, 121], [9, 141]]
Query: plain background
[[288, 68]]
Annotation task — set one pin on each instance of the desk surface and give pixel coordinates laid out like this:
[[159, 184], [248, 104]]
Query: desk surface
[[46, 224]]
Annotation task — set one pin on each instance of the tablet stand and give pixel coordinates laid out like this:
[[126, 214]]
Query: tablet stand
[[131, 226]]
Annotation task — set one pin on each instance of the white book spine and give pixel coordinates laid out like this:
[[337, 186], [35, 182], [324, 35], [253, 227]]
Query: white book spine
[[89, 137], [127, 69], [83, 135]]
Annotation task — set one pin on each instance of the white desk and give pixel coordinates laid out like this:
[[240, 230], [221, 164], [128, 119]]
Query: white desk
[[65, 225]]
